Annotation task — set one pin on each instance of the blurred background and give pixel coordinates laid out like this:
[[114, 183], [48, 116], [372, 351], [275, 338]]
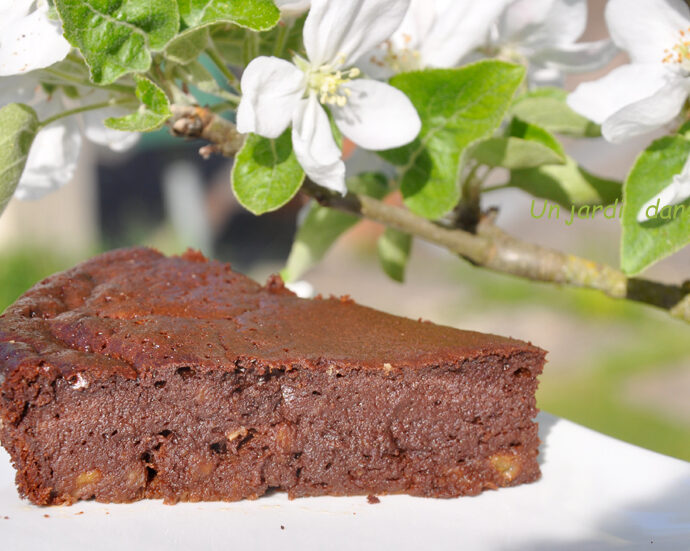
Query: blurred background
[[619, 368]]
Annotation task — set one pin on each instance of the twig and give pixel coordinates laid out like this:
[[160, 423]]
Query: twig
[[489, 247], [190, 121]]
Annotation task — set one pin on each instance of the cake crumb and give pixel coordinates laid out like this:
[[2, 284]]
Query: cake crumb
[[6, 518], [373, 499], [46, 515], [79, 513], [282, 527]]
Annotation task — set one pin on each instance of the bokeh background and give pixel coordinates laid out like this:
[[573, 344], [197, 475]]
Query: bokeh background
[[619, 368]]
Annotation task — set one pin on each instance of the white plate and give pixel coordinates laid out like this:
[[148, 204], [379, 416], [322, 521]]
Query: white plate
[[596, 493]]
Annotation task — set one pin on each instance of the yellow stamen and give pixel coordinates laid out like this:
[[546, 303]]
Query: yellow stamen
[[679, 53], [329, 82], [399, 59]]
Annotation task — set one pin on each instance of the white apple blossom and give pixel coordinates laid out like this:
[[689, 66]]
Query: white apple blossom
[[29, 38], [92, 122], [374, 115], [543, 34], [540, 34], [53, 156], [434, 33], [650, 92]]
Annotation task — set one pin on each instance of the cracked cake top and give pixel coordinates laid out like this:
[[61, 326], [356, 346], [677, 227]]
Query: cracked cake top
[[129, 311]]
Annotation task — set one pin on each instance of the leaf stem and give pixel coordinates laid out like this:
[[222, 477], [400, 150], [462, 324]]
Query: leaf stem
[[223, 68], [251, 46], [122, 88], [488, 246], [284, 28], [224, 106], [81, 109], [496, 187]]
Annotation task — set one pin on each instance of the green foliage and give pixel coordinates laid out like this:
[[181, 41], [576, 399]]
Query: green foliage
[[187, 46], [283, 40], [644, 244], [535, 133], [258, 15], [525, 146], [153, 112], [394, 251], [23, 267], [457, 108], [116, 37], [198, 76], [322, 226], [266, 174], [19, 127], [567, 184], [547, 107]]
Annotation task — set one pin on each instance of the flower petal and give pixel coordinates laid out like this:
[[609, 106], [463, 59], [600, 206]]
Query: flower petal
[[401, 51], [676, 192], [645, 31], [92, 121], [599, 99], [537, 24], [339, 32], [52, 160], [21, 89], [271, 90], [377, 116], [539, 75], [579, 57], [647, 114], [292, 8], [96, 132], [314, 146], [416, 25], [459, 27], [301, 288], [31, 42]]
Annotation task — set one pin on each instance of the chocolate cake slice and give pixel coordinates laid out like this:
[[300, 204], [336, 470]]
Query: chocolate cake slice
[[139, 376]]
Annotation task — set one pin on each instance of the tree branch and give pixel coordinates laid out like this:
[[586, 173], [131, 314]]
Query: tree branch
[[489, 247], [191, 121]]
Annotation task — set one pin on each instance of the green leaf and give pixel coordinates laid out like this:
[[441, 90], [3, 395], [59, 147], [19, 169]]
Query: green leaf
[[187, 46], [524, 146], [534, 133], [567, 184], [547, 107], [197, 75], [515, 153], [266, 174], [116, 36], [322, 226], [644, 244], [394, 251], [152, 113], [457, 107], [229, 40], [258, 15], [19, 125]]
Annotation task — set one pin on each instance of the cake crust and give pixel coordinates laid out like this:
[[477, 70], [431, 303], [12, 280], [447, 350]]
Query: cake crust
[[136, 375]]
